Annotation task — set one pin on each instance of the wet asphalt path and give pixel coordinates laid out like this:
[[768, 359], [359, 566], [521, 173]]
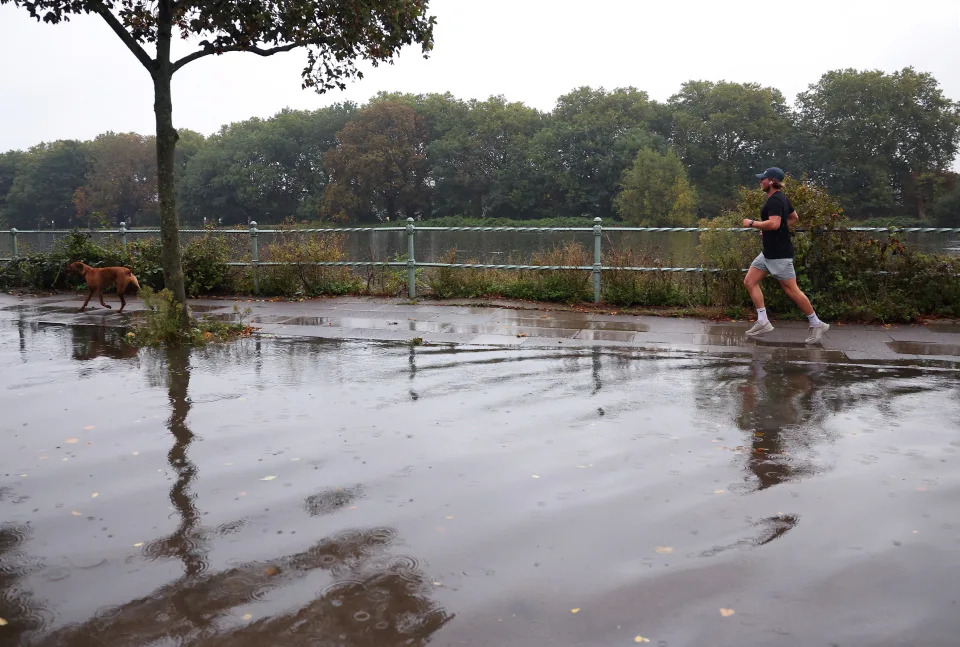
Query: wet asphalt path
[[334, 485]]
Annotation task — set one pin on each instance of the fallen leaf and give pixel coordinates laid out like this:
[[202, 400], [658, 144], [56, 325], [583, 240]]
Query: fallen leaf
[[95, 495], [136, 453], [138, 544], [3, 623], [535, 476], [76, 514], [641, 639], [718, 491], [89, 427], [268, 478], [449, 517], [726, 613], [664, 550], [575, 610], [247, 616], [270, 571], [72, 441]]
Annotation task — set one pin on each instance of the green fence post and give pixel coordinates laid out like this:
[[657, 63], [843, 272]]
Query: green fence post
[[254, 256], [123, 234], [411, 263], [597, 233], [16, 250]]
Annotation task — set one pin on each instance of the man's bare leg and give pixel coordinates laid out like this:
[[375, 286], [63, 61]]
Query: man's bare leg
[[752, 282], [817, 327], [797, 296]]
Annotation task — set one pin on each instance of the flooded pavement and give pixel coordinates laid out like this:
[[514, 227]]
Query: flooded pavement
[[295, 491]]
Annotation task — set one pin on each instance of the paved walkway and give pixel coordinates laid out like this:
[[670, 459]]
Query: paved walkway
[[531, 325]]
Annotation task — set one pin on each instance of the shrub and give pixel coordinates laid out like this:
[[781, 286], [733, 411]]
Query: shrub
[[160, 323], [303, 277], [627, 287]]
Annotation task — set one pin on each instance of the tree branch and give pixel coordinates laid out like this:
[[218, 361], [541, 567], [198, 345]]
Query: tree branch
[[125, 36], [210, 49]]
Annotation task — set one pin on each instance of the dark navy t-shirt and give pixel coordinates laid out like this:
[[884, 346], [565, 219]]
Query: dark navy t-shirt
[[777, 243]]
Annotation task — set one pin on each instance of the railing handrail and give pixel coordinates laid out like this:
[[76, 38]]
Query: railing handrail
[[412, 265], [313, 230]]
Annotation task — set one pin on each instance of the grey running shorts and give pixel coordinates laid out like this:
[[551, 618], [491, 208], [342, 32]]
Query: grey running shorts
[[779, 268]]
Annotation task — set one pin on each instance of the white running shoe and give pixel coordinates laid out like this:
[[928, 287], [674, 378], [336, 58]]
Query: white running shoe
[[760, 329], [816, 333]]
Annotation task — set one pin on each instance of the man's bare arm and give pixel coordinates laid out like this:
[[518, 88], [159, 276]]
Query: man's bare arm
[[792, 219]]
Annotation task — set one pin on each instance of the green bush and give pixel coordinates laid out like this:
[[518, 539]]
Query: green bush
[[48, 271], [203, 261]]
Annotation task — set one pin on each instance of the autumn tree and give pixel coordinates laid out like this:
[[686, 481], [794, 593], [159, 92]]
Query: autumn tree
[[379, 170], [122, 180], [335, 33], [263, 169]]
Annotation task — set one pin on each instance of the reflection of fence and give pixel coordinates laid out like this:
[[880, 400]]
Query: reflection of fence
[[411, 264]]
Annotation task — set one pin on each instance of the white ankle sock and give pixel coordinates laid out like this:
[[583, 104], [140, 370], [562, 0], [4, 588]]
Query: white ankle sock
[[814, 322], [761, 315]]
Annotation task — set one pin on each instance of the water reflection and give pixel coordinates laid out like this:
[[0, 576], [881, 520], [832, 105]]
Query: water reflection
[[367, 595], [17, 606], [776, 404], [371, 599], [187, 543], [90, 342]]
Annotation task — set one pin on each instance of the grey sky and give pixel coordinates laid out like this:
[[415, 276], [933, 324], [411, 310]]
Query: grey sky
[[77, 80]]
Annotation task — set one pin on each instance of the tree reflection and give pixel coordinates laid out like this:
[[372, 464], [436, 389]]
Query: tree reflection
[[187, 541], [372, 599]]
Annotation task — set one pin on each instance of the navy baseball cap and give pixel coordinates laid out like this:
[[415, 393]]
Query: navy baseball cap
[[772, 173]]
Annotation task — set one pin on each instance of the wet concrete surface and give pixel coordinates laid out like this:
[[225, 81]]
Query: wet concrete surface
[[312, 491], [520, 325]]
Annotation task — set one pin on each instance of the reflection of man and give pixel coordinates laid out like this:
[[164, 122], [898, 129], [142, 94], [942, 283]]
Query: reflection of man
[[775, 401]]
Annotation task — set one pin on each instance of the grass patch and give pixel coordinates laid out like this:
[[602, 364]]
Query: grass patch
[[160, 323]]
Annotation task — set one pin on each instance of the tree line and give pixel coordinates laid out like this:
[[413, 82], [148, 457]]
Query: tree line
[[882, 143]]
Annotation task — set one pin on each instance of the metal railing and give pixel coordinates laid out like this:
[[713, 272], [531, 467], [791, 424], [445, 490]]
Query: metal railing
[[411, 264]]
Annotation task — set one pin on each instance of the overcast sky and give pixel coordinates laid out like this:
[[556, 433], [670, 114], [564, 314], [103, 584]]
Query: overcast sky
[[76, 80]]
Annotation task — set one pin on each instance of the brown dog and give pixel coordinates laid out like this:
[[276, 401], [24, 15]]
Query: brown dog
[[100, 278]]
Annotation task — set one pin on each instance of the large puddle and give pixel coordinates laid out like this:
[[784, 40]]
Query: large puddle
[[275, 492]]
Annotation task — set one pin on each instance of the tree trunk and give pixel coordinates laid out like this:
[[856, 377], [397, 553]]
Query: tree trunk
[[166, 146]]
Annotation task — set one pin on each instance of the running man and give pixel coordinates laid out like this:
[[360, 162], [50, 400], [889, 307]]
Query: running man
[[776, 259]]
